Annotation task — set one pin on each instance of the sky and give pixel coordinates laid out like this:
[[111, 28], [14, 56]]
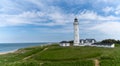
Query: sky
[[52, 20]]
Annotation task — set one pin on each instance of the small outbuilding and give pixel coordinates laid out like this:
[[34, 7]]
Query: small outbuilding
[[107, 45], [64, 43]]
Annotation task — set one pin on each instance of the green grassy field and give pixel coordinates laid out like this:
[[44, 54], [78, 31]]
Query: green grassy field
[[54, 55]]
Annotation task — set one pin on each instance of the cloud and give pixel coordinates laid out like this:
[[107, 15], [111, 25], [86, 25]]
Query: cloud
[[36, 18], [109, 1], [97, 18], [67, 29], [112, 10], [47, 14], [50, 15], [117, 10], [108, 9], [105, 26], [44, 14], [86, 15], [109, 28], [92, 15]]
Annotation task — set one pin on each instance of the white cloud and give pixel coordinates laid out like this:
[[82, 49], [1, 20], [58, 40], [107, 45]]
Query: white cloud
[[109, 28], [20, 19], [88, 15], [108, 9], [53, 15], [36, 18], [91, 15], [117, 10], [112, 9], [67, 29], [39, 3], [109, 1], [48, 15]]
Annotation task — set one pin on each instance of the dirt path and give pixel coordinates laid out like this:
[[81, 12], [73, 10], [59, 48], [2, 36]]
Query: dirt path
[[97, 62], [34, 54]]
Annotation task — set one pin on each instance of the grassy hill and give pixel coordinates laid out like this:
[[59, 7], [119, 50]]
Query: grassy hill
[[54, 55]]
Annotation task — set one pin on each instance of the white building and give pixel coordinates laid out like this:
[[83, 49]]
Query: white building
[[107, 45], [64, 43], [76, 32], [92, 42]]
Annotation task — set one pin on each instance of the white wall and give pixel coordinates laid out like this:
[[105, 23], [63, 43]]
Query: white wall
[[65, 44], [107, 46]]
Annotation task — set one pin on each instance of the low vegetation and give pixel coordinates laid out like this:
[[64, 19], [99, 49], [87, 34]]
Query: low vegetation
[[54, 55]]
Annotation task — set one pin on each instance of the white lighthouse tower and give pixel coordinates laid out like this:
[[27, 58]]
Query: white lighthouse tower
[[76, 32]]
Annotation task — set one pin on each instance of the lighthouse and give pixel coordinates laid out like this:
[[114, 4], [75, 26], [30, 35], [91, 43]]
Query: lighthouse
[[76, 32]]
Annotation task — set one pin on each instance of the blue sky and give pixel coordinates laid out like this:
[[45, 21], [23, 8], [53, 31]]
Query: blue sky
[[52, 20]]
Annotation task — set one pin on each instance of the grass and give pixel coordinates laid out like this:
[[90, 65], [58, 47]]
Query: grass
[[67, 53], [30, 63], [76, 63], [54, 55]]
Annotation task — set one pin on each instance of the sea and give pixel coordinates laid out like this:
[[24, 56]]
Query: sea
[[7, 47]]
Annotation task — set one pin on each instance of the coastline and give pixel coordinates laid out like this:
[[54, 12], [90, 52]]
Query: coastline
[[12, 51]]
